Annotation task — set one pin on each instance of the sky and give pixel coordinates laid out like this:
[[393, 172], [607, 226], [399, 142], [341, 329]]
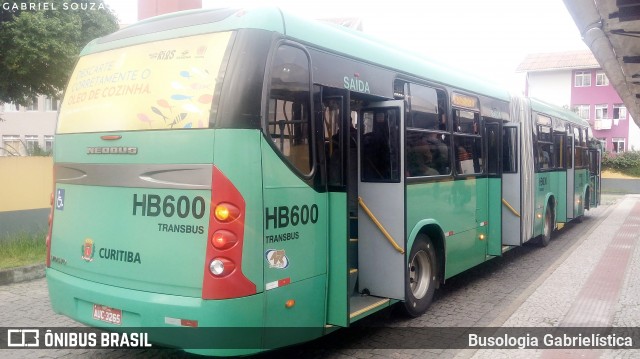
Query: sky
[[488, 38]]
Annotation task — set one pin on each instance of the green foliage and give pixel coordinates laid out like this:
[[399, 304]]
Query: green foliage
[[40, 47], [38, 151], [34, 150], [22, 249], [627, 163]]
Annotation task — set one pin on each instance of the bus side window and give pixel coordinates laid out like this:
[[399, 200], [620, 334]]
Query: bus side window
[[577, 154], [559, 140], [427, 153], [289, 117], [425, 113], [380, 153], [545, 148], [509, 150], [427, 138], [544, 143], [332, 142], [467, 142], [569, 149]]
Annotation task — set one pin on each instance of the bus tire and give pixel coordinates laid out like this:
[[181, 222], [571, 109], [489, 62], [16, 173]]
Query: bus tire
[[421, 277], [587, 201], [548, 228]]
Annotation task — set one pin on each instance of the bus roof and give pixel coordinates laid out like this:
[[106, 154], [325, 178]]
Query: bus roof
[[561, 113], [333, 38]]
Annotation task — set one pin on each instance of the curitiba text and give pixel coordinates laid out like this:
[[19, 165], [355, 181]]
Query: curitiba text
[[119, 255]]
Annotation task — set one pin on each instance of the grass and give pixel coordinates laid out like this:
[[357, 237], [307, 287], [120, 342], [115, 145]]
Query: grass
[[615, 174], [22, 249]]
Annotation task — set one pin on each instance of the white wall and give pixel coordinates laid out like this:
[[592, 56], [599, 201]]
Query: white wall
[[634, 136], [27, 123], [551, 86]]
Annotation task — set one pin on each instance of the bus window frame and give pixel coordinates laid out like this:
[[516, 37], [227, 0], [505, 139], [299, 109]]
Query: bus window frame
[[559, 148], [477, 118], [569, 147], [489, 122], [440, 106], [580, 145], [541, 127], [313, 156], [392, 141], [513, 149]]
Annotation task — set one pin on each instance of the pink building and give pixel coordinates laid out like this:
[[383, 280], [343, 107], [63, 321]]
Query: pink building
[[596, 100], [575, 80], [150, 8]]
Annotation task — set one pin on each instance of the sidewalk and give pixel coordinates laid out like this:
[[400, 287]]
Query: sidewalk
[[595, 286], [21, 274]]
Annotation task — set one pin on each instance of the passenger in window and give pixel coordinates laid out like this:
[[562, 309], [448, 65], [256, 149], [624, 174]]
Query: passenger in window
[[468, 156], [463, 154], [464, 161], [420, 161], [543, 158], [440, 155], [353, 134], [442, 124]]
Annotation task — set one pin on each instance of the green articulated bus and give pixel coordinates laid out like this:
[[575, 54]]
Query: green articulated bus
[[249, 170]]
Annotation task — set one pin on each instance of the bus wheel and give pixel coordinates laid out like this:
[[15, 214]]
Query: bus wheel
[[420, 281], [548, 228], [587, 201]]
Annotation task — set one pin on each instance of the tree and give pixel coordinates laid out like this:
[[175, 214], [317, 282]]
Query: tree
[[40, 42]]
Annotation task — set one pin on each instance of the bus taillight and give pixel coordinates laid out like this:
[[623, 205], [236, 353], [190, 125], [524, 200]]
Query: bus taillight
[[226, 212], [223, 277], [49, 231], [221, 267], [223, 239]]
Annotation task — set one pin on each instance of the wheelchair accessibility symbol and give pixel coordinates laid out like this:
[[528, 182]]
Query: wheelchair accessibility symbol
[[59, 199]]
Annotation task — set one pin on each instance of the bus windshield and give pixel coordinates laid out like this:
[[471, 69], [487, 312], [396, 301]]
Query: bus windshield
[[167, 84]]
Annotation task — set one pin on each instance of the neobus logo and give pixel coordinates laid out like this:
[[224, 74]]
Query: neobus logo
[[112, 150]]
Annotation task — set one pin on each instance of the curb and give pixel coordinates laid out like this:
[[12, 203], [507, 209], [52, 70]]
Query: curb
[[21, 274]]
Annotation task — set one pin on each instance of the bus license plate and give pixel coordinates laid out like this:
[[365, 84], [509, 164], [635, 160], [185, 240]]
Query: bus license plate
[[107, 314]]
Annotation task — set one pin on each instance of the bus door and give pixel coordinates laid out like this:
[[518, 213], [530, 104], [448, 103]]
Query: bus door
[[511, 185], [340, 152], [381, 212], [493, 140], [595, 178], [560, 161], [570, 177]]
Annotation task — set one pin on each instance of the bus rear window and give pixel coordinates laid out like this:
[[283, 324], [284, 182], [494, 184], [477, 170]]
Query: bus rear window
[[168, 84]]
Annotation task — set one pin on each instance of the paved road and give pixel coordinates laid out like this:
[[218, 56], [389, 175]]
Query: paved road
[[485, 296], [620, 185]]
